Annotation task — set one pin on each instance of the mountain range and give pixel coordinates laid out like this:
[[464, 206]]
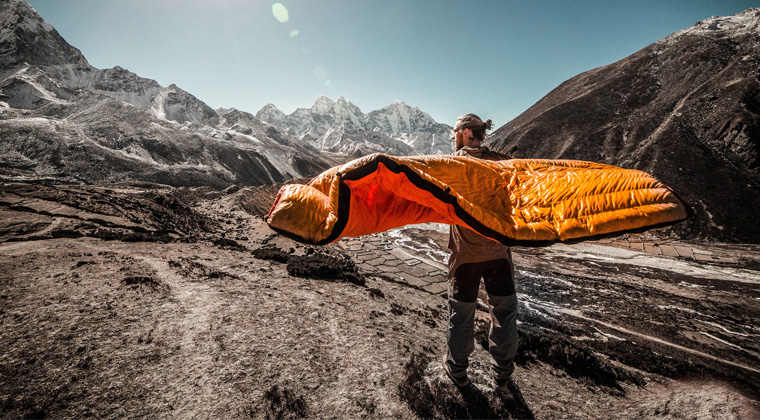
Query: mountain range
[[340, 126], [65, 120], [686, 109]]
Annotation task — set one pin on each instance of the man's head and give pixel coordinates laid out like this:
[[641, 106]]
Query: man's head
[[469, 130]]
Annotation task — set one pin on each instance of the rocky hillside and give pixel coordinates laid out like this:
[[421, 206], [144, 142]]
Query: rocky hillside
[[146, 301], [686, 109], [62, 119], [39, 66]]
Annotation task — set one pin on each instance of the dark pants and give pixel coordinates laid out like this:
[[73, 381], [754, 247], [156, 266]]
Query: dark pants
[[498, 278]]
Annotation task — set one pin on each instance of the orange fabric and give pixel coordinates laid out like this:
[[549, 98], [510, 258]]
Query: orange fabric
[[531, 202]]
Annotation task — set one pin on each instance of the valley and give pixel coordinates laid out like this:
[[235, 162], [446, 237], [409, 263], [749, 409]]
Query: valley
[[138, 278]]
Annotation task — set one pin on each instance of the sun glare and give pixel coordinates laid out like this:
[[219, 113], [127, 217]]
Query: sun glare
[[280, 12]]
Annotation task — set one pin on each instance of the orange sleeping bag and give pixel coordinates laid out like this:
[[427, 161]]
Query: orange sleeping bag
[[527, 202]]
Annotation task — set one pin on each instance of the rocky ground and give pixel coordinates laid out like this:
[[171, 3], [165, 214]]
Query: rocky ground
[[148, 301]]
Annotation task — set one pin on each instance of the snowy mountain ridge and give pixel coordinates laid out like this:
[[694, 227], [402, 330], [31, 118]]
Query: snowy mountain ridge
[[736, 26], [63, 119], [33, 54], [327, 124], [40, 67]]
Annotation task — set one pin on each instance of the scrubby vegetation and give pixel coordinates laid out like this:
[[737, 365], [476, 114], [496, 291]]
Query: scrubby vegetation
[[285, 403], [315, 266]]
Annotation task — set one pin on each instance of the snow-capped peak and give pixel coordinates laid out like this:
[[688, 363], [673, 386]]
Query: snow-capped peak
[[271, 114], [348, 111], [322, 105], [328, 122], [31, 21], [270, 107], [32, 40], [224, 111]]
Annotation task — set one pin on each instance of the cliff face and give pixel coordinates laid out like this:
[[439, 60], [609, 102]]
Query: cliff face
[[686, 109], [25, 37]]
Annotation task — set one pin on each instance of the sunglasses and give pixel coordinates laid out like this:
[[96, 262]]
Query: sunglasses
[[454, 132]]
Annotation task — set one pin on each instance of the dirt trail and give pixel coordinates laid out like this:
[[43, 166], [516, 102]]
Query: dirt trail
[[197, 302]]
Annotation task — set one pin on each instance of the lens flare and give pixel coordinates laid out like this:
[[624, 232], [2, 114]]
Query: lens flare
[[280, 12], [294, 33]]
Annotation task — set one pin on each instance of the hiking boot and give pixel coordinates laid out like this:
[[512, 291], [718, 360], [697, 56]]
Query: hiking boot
[[510, 393], [507, 387], [460, 381]]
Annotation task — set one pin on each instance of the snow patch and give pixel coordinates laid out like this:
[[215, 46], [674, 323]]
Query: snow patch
[[726, 330], [728, 343], [737, 26]]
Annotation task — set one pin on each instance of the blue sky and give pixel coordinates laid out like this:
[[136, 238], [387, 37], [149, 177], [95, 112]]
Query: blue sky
[[495, 58]]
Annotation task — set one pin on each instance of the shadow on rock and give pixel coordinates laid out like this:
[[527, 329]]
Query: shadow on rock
[[284, 403], [434, 396]]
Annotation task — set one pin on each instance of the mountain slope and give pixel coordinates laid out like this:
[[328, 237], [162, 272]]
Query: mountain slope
[[121, 127], [110, 141], [29, 45], [413, 127], [63, 119], [26, 38], [686, 109]]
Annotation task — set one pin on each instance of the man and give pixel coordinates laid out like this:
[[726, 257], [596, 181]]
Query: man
[[474, 257]]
